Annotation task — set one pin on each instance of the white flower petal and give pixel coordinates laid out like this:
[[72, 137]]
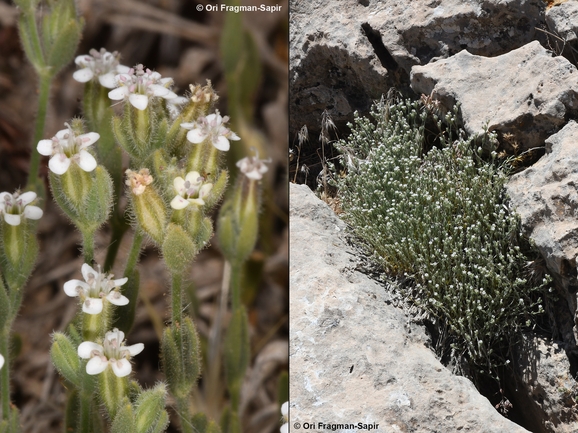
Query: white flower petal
[[107, 80], [117, 299], [221, 143], [88, 272], [86, 348], [233, 136], [59, 163], [285, 409], [86, 161], [198, 201], [284, 428], [140, 102], [179, 203], [27, 197], [121, 69], [170, 96], [179, 184], [1, 361], [88, 139], [60, 134], [96, 365], [135, 349], [3, 195], [121, 367], [159, 90], [13, 220], [115, 333], [120, 281], [83, 75], [70, 287], [44, 147], [33, 212], [195, 136], [92, 306], [80, 60], [193, 177], [119, 93]]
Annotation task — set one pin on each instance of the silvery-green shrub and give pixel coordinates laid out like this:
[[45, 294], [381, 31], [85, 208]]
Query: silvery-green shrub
[[437, 215]]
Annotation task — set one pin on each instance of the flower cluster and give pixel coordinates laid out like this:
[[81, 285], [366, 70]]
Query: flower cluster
[[190, 190], [96, 287], [101, 65], [253, 167], [138, 85], [211, 127], [66, 147], [113, 352], [15, 206]]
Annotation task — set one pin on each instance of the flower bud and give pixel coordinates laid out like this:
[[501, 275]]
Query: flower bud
[[148, 206]]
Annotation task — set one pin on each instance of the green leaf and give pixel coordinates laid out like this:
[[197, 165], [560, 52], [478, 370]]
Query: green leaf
[[181, 358], [178, 249], [65, 358], [124, 421], [150, 406]]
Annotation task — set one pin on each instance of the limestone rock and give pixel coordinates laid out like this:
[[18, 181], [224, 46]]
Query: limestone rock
[[354, 357], [545, 196], [346, 53], [524, 95], [545, 387], [562, 20]]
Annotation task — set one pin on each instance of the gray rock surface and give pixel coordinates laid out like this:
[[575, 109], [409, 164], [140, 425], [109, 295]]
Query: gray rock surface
[[346, 53], [562, 20], [544, 380], [354, 358], [524, 95], [546, 197]]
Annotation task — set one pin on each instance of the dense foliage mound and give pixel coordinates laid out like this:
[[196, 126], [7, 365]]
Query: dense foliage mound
[[435, 213]]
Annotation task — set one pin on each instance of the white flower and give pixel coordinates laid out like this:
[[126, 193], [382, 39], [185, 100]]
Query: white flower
[[114, 353], [253, 167], [14, 206], [213, 128], [1, 361], [138, 85], [285, 413], [65, 147], [97, 286], [101, 64], [191, 189]]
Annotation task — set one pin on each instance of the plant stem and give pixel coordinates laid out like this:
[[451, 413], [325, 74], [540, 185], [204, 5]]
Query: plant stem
[[177, 299], [134, 252], [235, 283], [88, 246], [184, 415], [5, 371], [44, 92], [118, 230], [85, 395]]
